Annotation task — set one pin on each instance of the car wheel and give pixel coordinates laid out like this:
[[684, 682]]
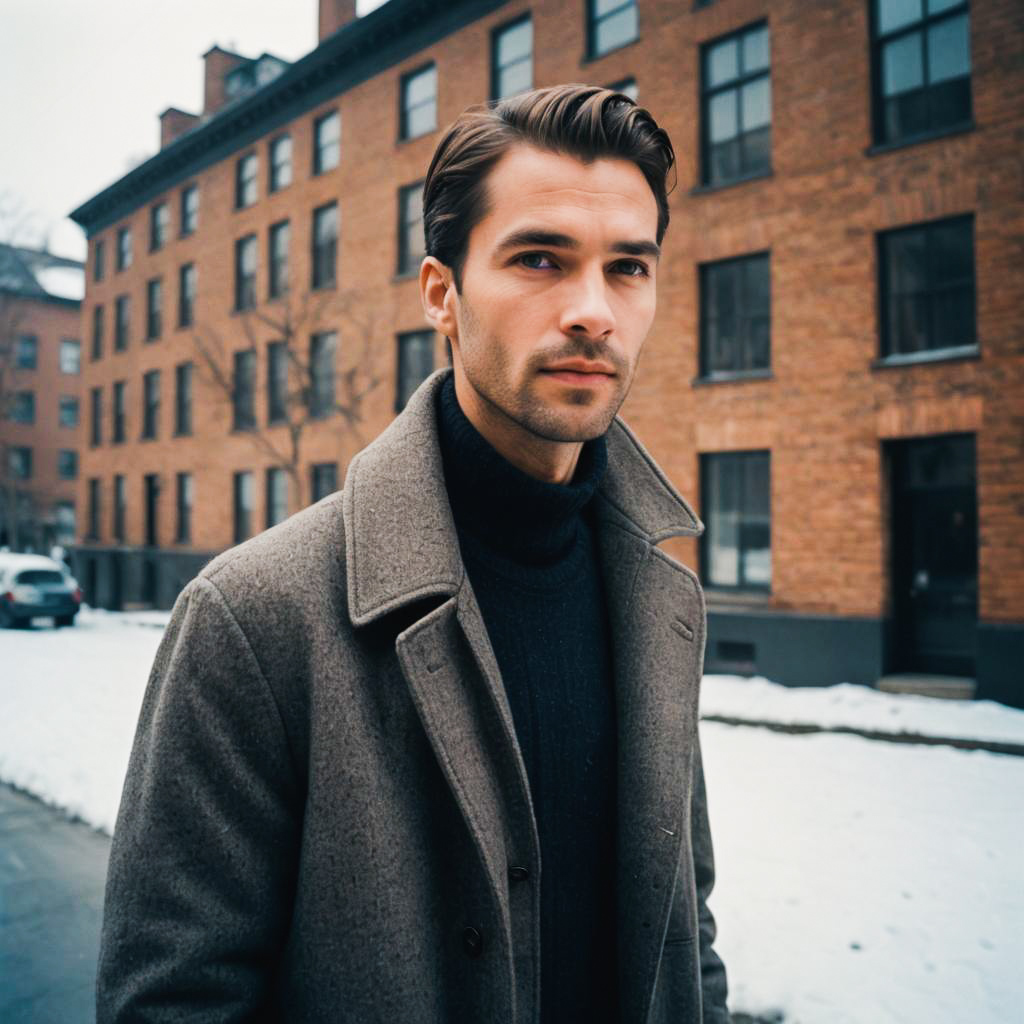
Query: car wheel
[[64, 620]]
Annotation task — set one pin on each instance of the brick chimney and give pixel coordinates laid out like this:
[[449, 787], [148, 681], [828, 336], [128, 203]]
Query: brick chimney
[[174, 123], [217, 63], [333, 15]]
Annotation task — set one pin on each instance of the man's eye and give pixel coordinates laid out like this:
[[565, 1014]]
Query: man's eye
[[632, 268], [535, 260]]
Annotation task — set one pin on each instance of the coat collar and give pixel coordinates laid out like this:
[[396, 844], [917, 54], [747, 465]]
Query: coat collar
[[399, 534]]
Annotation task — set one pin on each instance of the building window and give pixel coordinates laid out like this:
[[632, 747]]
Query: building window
[[151, 490], [154, 308], [325, 245], [324, 479], [326, 142], [187, 295], [512, 59], [183, 399], [277, 262], [67, 410], [280, 162], [97, 332], [277, 496], [26, 352], [99, 260], [419, 102], [415, 364], [736, 496], [150, 403], [23, 407], [612, 23], [65, 522], [277, 381], [922, 67], [737, 106], [124, 248], [94, 510], [122, 321], [189, 209], [118, 424], [159, 226], [735, 316], [242, 505], [120, 505], [70, 356], [244, 390], [411, 244], [19, 462], [67, 464], [927, 287], [183, 504], [246, 255], [247, 180], [322, 352], [627, 87], [95, 416]]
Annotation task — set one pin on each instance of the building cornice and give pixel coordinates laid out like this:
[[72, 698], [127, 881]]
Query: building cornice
[[353, 54]]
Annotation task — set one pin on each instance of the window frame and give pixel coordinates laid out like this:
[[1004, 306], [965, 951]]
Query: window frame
[[243, 389], [154, 308], [245, 284], [68, 402], [277, 381], [99, 267], [122, 324], [274, 476], [118, 412], [887, 356], [67, 345], [878, 41], [245, 181], [67, 456], [124, 248], [159, 225], [183, 374], [744, 585], [95, 416], [404, 108], [593, 20], [184, 502], [24, 343], [119, 505], [319, 408], [274, 184], [319, 165], [189, 218], [316, 471], [95, 508], [402, 392], [704, 372], [496, 71], [277, 282], [706, 93], [319, 278], [402, 266], [242, 510], [150, 406], [98, 330], [187, 294]]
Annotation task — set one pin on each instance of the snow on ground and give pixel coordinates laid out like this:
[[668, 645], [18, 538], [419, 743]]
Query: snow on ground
[[860, 707], [859, 882]]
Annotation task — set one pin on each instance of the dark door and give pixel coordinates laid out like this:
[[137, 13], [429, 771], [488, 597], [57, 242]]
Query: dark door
[[934, 554], [152, 492], [116, 582]]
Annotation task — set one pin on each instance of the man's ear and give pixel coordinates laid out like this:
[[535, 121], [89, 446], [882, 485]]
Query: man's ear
[[437, 292]]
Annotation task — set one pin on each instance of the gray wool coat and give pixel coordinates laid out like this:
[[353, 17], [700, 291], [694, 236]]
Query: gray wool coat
[[325, 793]]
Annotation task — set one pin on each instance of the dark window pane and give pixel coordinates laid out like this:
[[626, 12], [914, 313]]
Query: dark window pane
[[893, 14], [954, 318], [949, 54], [415, 364], [737, 510]]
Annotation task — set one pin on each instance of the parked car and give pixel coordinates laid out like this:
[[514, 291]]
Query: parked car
[[33, 585]]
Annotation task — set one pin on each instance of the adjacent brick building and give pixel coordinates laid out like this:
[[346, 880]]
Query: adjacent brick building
[[40, 311], [835, 376]]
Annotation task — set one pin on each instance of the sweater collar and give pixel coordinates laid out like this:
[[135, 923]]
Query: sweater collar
[[514, 514]]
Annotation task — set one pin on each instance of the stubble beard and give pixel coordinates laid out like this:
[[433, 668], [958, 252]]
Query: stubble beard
[[519, 402]]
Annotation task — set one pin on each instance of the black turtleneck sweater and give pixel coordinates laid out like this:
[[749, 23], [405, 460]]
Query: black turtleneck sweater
[[529, 549]]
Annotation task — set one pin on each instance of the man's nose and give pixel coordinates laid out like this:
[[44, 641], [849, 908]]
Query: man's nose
[[587, 310]]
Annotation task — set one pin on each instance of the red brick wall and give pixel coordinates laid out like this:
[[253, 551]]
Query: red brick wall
[[824, 413]]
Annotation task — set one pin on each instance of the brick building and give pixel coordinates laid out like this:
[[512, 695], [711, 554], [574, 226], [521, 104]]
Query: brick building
[[40, 311], [835, 376]]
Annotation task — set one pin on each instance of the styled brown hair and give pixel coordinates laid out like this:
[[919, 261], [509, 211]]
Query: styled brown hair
[[583, 121]]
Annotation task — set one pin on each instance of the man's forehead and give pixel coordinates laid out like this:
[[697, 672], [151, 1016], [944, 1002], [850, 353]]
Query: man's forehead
[[527, 177]]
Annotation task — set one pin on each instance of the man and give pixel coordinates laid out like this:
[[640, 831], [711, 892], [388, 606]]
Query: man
[[428, 750]]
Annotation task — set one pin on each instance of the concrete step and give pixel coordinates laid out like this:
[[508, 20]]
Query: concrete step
[[950, 687]]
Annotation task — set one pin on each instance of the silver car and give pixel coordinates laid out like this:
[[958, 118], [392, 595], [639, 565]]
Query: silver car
[[31, 586]]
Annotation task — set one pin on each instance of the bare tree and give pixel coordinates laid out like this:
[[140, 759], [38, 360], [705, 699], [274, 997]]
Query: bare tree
[[312, 394]]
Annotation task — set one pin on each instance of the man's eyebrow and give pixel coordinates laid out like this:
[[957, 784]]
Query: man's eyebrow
[[556, 240]]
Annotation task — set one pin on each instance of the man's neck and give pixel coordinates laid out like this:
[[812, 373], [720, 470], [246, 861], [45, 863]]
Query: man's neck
[[554, 462]]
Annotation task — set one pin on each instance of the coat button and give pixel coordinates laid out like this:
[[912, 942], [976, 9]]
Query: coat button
[[472, 942], [518, 874]]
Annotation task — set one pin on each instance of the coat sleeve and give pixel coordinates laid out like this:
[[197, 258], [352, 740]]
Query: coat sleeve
[[714, 984], [202, 863]]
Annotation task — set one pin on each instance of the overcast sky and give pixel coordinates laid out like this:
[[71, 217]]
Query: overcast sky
[[83, 82]]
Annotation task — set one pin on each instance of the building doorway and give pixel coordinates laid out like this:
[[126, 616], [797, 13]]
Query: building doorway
[[934, 554]]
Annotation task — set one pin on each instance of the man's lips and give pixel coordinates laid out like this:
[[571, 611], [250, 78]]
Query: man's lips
[[579, 372]]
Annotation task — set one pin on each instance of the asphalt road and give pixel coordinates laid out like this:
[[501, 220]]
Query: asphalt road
[[52, 873]]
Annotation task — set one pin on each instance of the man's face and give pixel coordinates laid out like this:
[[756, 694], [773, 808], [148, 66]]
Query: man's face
[[558, 295]]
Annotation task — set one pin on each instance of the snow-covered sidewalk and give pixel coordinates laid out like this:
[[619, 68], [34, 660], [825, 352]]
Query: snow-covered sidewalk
[[859, 882]]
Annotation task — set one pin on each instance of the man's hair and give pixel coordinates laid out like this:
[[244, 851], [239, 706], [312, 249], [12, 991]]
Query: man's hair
[[583, 121]]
